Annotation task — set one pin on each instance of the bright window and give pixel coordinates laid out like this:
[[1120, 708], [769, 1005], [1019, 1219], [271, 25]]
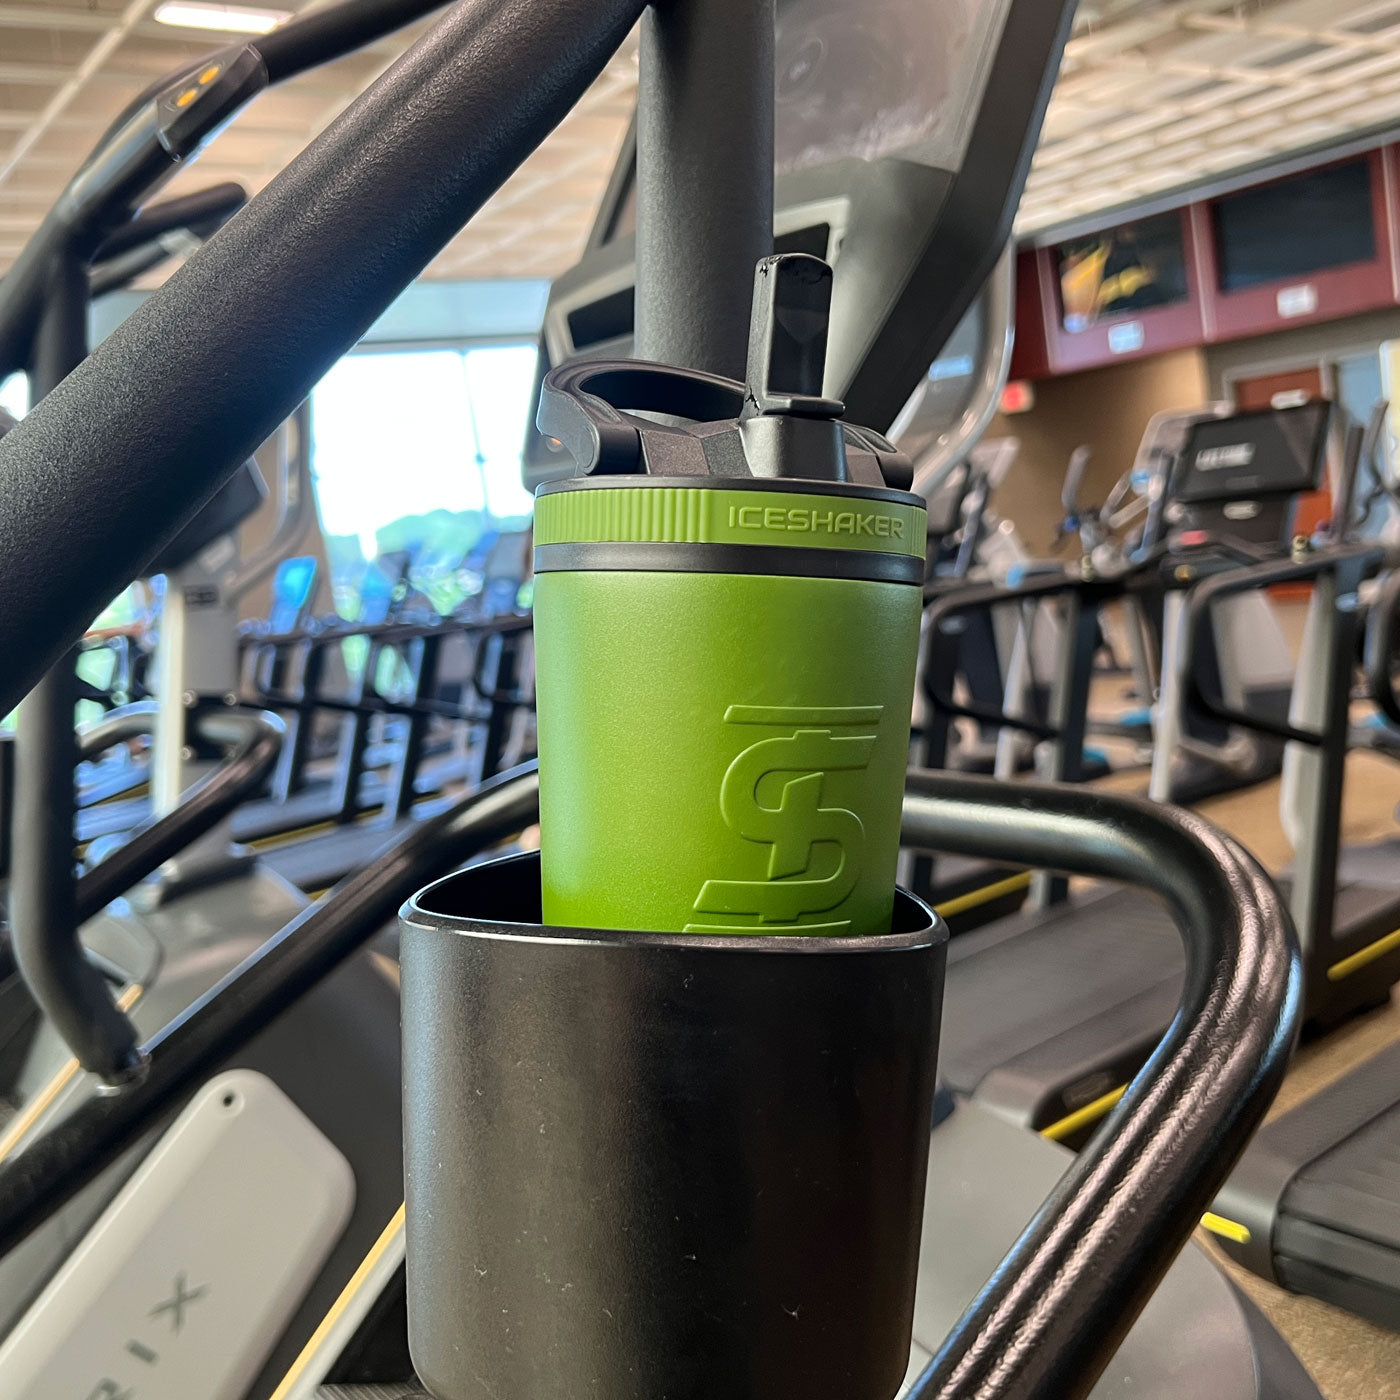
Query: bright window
[[14, 395], [418, 452]]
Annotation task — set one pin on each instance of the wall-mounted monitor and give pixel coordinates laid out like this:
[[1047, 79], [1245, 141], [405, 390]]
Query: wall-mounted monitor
[[1295, 227], [1109, 294], [1308, 247], [1122, 271]]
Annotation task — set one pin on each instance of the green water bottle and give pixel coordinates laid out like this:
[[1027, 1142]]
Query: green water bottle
[[727, 607]]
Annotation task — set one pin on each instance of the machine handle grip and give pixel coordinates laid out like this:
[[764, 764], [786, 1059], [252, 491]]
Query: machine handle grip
[[69, 990], [1205, 595], [937, 681], [1058, 1306], [213, 206]]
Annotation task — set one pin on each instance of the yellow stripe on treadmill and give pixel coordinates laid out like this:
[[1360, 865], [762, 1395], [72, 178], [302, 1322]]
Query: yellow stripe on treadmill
[[1082, 1117], [285, 838], [1226, 1229], [1368, 954], [952, 907], [381, 1246], [38, 1106], [301, 833]]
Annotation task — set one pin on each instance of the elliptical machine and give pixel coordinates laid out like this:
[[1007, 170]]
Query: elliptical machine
[[1053, 1317]]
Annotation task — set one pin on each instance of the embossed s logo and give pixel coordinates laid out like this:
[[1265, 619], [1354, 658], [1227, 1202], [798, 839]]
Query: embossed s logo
[[818, 741]]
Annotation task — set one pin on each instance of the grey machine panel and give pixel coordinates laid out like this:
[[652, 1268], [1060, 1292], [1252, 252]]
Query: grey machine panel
[[1319, 1193], [191, 1275]]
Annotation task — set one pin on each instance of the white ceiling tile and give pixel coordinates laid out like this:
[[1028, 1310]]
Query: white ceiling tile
[[1153, 94]]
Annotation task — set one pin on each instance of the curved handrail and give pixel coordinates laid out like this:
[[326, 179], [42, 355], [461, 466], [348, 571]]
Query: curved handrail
[[1060, 1303], [1380, 634], [254, 739], [135, 721], [1361, 558], [950, 449], [937, 681], [68, 989]]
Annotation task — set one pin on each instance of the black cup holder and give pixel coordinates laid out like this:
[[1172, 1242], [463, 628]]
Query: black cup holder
[[647, 1165]]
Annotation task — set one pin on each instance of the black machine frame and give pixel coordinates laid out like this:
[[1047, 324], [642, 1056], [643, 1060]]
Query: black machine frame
[[261, 312], [942, 233]]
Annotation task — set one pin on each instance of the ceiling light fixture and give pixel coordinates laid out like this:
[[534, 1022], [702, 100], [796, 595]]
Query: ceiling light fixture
[[228, 19]]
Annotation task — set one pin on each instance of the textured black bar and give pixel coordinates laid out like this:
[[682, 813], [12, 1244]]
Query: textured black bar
[[704, 178]]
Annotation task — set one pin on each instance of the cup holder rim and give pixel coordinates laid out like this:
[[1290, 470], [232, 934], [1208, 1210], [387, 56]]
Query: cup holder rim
[[424, 913]]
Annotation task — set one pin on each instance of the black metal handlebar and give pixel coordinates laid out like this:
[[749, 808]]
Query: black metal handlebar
[[327, 32], [255, 739], [1060, 1303], [213, 205], [937, 680], [68, 989], [159, 231], [1380, 649], [1351, 562]]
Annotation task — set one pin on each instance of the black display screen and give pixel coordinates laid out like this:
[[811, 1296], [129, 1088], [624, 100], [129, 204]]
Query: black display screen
[[1266, 452], [1301, 225], [1132, 268]]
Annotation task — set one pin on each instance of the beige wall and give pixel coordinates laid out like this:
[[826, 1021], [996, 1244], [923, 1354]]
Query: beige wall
[[1106, 408]]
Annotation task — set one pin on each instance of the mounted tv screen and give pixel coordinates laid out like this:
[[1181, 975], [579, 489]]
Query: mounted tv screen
[[1133, 268], [1295, 227]]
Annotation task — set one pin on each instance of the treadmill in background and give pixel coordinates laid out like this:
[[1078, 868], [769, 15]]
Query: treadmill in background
[[1050, 1013], [1314, 1205]]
